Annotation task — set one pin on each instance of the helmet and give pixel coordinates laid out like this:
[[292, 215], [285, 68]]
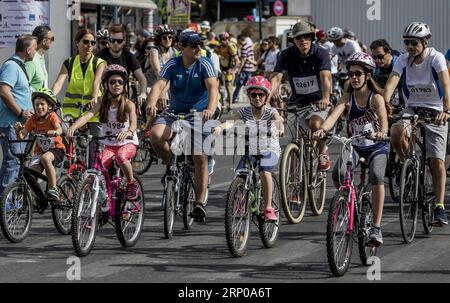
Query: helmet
[[205, 25], [259, 82], [164, 29], [103, 33], [320, 34], [302, 28], [362, 59], [418, 30], [115, 69], [349, 34], [188, 37], [46, 94], [335, 33], [224, 36]]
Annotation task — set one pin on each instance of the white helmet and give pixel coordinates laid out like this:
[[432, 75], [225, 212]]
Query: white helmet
[[362, 59], [205, 25], [335, 33], [417, 30], [102, 33]]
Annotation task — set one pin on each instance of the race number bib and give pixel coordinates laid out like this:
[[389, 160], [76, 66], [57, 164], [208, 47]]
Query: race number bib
[[423, 92], [46, 143], [305, 85]]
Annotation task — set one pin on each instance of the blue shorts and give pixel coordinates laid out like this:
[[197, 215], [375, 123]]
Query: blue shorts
[[268, 161]]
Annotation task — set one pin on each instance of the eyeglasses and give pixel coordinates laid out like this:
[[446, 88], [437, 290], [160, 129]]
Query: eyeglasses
[[91, 42], [308, 36], [103, 42], [260, 95], [195, 45], [113, 82], [166, 37], [148, 47], [413, 42], [118, 41], [379, 57], [357, 74]]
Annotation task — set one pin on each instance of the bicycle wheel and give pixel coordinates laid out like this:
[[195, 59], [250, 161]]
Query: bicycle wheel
[[268, 231], [129, 217], [85, 218], [188, 205], [364, 224], [293, 192], [16, 212], [394, 168], [169, 208], [237, 218], [427, 196], [339, 239], [62, 214], [144, 155], [408, 200], [317, 184]]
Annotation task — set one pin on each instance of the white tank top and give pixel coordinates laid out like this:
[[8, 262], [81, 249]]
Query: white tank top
[[114, 127]]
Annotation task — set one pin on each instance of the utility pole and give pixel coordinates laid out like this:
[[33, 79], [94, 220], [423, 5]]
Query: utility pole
[[260, 2]]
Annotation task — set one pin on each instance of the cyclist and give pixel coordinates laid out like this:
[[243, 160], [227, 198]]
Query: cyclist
[[48, 152], [259, 118], [247, 65], [102, 40], [193, 86], [229, 60], [310, 79], [117, 117], [426, 85], [385, 57], [366, 111], [342, 47]]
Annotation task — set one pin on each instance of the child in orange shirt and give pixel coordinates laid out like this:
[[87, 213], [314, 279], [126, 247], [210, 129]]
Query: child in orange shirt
[[49, 151]]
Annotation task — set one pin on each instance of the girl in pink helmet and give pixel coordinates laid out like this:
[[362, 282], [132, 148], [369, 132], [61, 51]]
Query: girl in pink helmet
[[260, 118]]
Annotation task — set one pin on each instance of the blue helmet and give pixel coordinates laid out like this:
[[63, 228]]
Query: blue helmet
[[189, 37]]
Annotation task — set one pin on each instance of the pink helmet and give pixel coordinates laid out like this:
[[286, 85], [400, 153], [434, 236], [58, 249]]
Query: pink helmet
[[362, 59], [259, 82], [115, 69]]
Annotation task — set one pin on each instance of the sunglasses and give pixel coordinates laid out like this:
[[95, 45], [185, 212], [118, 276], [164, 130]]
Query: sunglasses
[[103, 42], [148, 48], [260, 95], [379, 57], [303, 36], [91, 42], [357, 74], [195, 45], [113, 82], [166, 37], [118, 41], [411, 41]]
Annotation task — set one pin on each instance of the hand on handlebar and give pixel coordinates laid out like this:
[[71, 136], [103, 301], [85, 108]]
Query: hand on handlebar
[[217, 131], [324, 104], [207, 114], [379, 136], [319, 134], [151, 111], [441, 118], [123, 135], [70, 132]]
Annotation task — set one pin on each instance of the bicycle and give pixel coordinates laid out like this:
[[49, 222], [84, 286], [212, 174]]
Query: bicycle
[[97, 190], [393, 168], [300, 177], [145, 154], [244, 202], [17, 206], [350, 213], [179, 190], [416, 190]]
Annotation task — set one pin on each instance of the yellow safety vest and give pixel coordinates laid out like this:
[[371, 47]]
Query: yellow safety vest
[[79, 88]]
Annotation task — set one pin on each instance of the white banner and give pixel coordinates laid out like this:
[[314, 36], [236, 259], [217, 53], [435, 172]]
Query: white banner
[[21, 17]]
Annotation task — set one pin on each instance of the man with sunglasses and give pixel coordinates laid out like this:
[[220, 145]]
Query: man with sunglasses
[[36, 70], [385, 58], [118, 54], [426, 86], [309, 69], [193, 85], [102, 40]]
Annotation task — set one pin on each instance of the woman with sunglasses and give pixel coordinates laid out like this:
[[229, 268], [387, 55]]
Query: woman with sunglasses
[[259, 117], [117, 117], [159, 56], [426, 85], [144, 59], [366, 111]]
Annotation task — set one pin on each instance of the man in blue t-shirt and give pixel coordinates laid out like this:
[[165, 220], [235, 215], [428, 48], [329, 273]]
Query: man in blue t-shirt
[[193, 85]]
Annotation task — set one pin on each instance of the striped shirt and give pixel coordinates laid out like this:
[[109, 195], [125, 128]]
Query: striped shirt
[[260, 127], [247, 52]]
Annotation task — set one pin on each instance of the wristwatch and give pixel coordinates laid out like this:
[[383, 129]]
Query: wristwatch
[[21, 114]]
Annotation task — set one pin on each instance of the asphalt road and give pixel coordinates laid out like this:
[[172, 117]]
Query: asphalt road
[[201, 255]]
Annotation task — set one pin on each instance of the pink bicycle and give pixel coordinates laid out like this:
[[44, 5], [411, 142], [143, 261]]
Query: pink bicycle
[[100, 200]]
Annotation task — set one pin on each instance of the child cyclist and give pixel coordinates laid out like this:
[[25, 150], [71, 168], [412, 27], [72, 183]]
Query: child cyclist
[[366, 111], [260, 117], [49, 151], [117, 117]]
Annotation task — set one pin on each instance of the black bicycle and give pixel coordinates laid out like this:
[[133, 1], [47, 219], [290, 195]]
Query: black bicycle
[[17, 204]]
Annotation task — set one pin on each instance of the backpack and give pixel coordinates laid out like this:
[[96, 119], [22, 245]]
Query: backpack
[[22, 66]]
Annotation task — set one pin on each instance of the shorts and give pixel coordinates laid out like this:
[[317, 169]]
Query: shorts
[[227, 77], [304, 121], [435, 137], [123, 154], [377, 167], [58, 154], [268, 161]]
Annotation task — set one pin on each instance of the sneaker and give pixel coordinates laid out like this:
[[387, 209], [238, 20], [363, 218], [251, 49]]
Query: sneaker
[[440, 216], [199, 212], [53, 194], [324, 162], [132, 191], [375, 237], [269, 214], [211, 164]]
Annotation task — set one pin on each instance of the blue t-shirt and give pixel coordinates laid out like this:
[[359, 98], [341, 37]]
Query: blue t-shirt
[[187, 85], [12, 75]]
